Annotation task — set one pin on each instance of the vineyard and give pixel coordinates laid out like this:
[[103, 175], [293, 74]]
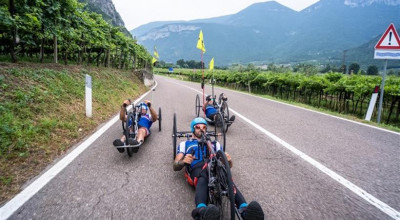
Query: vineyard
[[346, 94], [44, 30]]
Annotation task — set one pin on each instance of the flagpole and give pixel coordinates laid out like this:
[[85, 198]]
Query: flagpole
[[202, 77], [200, 45]]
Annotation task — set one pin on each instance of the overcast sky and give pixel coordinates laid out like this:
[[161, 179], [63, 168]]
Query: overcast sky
[[136, 13]]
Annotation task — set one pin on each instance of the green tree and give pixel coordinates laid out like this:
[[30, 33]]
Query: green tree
[[354, 68], [391, 73], [372, 70], [180, 62], [307, 69]]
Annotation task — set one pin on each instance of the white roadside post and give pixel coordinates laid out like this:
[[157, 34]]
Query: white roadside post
[[372, 103], [388, 47], [88, 95]]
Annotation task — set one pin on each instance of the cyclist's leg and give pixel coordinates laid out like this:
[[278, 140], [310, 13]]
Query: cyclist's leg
[[252, 210], [202, 210], [200, 176], [239, 198], [212, 116], [142, 134]]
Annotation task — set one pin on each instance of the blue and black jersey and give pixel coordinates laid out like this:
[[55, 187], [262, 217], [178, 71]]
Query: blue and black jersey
[[210, 111], [145, 121], [192, 147]]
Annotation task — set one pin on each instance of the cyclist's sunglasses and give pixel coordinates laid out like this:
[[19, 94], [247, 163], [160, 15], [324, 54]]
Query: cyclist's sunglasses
[[200, 127]]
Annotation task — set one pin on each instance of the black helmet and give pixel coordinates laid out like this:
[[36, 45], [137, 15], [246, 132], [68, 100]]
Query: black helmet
[[208, 98]]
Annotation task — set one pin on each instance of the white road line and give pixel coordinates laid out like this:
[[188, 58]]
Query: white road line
[[13, 205], [357, 190]]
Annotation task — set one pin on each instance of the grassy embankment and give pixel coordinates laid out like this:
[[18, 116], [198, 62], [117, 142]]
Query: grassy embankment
[[42, 114]]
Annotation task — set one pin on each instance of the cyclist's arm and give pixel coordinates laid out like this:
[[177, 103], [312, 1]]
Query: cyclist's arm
[[154, 115], [229, 159], [122, 115], [206, 103], [178, 162]]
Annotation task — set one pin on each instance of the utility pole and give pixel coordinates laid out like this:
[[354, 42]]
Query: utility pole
[[344, 61]]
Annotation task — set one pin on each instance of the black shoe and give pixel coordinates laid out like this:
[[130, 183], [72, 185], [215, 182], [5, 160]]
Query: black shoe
[[232, 118], [210, 212], [253, 211], [118, 143], [134, 142]]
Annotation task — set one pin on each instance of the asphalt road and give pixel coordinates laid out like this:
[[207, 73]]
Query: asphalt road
[[101, 183]]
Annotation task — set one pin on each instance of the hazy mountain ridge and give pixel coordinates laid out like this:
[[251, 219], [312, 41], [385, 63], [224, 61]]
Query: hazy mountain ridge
[[269, 32], [363, 3]]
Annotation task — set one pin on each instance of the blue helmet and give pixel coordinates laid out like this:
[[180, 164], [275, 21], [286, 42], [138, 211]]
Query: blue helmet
[[144, 106], [196, 121]]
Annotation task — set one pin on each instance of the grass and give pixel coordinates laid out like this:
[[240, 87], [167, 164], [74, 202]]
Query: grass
[[42, 114]]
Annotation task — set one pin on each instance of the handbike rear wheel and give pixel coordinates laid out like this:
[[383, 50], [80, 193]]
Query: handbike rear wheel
[[226, 201], [174, 136], [219, 127], [197, 105], [159, 119]]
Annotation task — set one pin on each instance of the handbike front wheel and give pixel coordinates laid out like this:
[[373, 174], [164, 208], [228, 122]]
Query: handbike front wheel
[[225, 110], [130, 117], [226, 201]]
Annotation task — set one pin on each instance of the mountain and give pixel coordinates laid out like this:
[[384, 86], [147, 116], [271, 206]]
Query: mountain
[[269, 32], [107, 9], [143, 29]]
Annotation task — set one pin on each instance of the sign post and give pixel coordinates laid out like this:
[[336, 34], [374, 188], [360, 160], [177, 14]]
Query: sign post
[[88, 96], [372, 103], [388, 47]]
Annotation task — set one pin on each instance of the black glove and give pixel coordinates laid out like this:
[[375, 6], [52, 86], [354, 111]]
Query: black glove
[[149, 104]]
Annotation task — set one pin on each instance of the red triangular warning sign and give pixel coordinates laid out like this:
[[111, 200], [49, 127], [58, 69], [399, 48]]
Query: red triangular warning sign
[[390, 39]]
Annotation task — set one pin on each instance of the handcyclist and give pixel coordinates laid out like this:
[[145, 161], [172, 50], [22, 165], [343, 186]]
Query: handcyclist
[[147, 116], [190, 154], [211, 109]]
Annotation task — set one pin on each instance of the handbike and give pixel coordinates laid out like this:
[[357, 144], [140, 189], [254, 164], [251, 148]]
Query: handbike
[[220, 184], [130, 126], [224, 110], [221, 120]]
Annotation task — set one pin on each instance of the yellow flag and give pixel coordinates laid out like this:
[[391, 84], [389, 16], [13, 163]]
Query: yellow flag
[[156, 53], [153, 60], [211, 65], [200, 42]]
